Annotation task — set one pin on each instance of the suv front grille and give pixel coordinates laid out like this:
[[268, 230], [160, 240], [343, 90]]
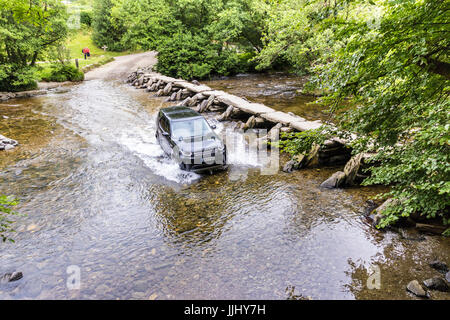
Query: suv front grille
[[205, 153]]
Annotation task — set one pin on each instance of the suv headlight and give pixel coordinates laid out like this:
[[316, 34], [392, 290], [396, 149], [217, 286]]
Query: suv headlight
[[185, 153]]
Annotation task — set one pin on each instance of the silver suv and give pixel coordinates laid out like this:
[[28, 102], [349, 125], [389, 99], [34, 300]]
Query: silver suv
[[186, 136]]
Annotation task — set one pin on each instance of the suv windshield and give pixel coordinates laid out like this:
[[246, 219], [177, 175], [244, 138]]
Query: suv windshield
[[190, 128]]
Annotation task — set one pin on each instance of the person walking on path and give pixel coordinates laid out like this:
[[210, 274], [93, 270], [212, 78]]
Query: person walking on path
[[86, 52]]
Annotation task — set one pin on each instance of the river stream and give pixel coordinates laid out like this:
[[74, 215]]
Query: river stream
[[98, 193]]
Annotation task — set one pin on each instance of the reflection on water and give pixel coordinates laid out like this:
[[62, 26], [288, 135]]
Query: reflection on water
[[98, 193]]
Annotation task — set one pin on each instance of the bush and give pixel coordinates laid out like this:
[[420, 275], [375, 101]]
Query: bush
[[14, 78], [61, 73], [190, 56], [6, 211], [86, 18], [295, 143]]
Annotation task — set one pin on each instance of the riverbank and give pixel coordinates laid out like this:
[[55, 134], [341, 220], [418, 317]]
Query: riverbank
[[118, 68], [43, 88]]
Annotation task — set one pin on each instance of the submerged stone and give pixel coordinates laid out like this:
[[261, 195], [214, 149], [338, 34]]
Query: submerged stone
[[436, 283], [415, 288], [439, 266], [11, 277]]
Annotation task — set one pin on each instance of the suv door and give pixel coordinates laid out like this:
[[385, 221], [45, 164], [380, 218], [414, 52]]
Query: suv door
[[164, 135]]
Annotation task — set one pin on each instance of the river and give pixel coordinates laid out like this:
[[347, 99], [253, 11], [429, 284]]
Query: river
[[97, 193]]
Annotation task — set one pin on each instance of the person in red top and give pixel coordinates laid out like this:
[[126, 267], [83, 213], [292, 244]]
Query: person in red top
[[86, 52]]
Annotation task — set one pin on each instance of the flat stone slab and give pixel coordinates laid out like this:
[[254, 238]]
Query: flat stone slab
[[182, 83], [166, 79], [192, 87], [279, 117], [256, 109], [305, 125]]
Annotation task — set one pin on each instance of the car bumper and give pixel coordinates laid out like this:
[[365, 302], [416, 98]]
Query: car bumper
[[199, 165], [201, 169]]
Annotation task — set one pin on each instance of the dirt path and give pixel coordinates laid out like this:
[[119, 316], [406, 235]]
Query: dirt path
[[122, 66]]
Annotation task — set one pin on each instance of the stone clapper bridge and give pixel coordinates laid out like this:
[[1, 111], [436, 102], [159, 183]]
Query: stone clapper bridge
[[202, 98]]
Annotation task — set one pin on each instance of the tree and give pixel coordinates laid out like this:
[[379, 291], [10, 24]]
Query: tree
[[384, 65], [397, 73], [108, 26], [27, 30], [147, 23], [220, 36]]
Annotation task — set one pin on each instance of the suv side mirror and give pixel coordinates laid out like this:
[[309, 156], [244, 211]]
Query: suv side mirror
[[213, 126]]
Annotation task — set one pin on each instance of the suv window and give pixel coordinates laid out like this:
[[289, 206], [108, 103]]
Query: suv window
[[164, 123], [197, 127]]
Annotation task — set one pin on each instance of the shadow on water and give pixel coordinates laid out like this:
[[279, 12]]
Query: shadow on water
[[98, 193]]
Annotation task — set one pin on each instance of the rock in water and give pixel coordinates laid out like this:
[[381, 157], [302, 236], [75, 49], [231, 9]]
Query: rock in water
[[10, 277], [439, 266], [415, 288], [16, 276], [289, 166], [335, 181], [376, 215], [436, 283], [6, 143], [167, 89], [351, 169]]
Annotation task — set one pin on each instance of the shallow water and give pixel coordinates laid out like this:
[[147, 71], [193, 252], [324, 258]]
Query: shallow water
[[98, 193], [278, 91]]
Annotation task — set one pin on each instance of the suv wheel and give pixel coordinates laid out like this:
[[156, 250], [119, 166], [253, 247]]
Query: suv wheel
[[186, 167]]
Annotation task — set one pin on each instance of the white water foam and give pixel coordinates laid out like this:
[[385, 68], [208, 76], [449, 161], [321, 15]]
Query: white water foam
[[103, 115]]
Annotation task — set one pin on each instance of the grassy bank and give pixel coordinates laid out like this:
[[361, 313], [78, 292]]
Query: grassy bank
[[75, 43]]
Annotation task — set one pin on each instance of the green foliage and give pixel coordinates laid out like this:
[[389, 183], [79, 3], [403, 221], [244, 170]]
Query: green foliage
[[14, 77], [147, 23], [293, 38], [295, 143], [61, 73], [6, 213], [108, 26], [86, 18], [194, 56], [28, 29], [194, 39], [397, 73], [446, 233]]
